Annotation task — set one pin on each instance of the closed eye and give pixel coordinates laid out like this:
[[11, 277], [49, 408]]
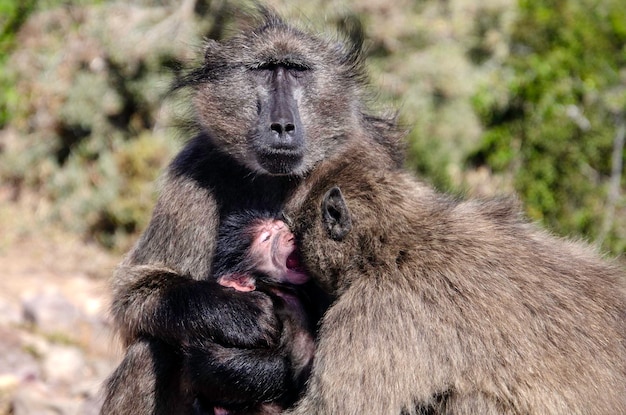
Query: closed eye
[[265, 236], [291, 66]]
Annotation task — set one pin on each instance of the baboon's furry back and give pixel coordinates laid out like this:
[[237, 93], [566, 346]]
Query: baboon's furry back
[[455, 307]]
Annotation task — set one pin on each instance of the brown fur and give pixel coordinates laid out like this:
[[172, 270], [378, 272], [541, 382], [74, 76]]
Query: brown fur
[[454, 307]]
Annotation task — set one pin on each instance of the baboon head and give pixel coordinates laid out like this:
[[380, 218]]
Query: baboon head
[[356, 219], [277, 99], [324, 230], [344, 232]]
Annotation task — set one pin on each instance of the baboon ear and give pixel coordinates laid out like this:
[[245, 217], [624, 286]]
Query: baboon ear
[[335, 214]]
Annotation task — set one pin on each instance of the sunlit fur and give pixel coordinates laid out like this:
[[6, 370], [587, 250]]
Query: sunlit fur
[[453, 306]]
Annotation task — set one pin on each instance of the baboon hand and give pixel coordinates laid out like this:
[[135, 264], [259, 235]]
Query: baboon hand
[[234, 319]]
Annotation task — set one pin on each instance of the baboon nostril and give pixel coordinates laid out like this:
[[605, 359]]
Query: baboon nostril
[[290, 128], [276, 127]]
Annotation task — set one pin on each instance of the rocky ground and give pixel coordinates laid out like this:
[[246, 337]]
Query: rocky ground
[[56, 344]]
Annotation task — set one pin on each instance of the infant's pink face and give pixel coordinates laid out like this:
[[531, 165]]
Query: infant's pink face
[[275, 248]]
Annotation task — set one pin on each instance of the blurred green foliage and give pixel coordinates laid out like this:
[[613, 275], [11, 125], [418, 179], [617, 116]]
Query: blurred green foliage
[[12, 15], [554, 126], [533, 92], [82, 112]]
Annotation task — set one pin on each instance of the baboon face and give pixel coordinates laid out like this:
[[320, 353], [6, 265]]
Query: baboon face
[[261, 248], [276, 99]]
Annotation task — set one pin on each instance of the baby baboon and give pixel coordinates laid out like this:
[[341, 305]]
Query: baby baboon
[[271, 103], [452, 307], [257, 251]]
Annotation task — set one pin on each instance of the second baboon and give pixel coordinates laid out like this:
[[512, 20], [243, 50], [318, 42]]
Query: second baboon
[[452, 307]]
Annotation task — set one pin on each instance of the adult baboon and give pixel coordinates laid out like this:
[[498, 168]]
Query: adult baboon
[[271, 103], [452, 307]]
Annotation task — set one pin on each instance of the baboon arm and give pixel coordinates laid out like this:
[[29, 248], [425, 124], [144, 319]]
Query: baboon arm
[[163, 288], [176, 309]]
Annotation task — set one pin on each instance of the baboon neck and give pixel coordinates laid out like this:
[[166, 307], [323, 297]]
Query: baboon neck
[[203, 165]]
